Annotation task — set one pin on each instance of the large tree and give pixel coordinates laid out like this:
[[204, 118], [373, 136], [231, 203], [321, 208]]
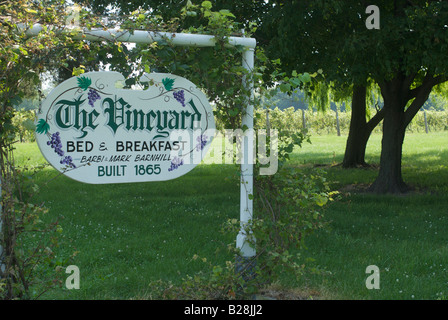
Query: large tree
[[406, 57], [360, 100], [259, 12]]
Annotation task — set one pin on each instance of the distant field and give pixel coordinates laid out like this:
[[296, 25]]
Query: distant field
[[130, 234]]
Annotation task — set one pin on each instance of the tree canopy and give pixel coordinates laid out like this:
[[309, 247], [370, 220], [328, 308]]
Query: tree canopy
[[332, 35], [405, 57]]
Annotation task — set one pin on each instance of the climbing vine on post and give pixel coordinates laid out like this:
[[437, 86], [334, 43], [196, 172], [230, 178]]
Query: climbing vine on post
[[28, 264]]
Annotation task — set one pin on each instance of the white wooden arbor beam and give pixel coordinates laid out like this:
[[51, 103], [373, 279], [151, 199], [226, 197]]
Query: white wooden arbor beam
[[141, 36]]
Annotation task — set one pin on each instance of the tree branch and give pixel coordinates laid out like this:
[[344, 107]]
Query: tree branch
[[421, 94], [373, 122]]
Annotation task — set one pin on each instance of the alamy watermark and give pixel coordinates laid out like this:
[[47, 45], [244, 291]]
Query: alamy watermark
[[72, 20], [373, 280], [373, 20], [72, 281], [229, 146]]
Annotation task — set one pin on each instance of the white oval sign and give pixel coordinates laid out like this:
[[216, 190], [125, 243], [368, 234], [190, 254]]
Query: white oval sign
[[94, 132]]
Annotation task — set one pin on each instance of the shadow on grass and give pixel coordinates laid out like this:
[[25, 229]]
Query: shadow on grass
[[424, 172]]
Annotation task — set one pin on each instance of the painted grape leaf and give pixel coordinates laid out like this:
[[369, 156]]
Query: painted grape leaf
[[168, 83], [42, 127], [84, 83]]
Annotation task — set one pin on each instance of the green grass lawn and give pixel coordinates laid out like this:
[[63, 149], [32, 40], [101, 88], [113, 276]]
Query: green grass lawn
[[128, 235], [402, 235]]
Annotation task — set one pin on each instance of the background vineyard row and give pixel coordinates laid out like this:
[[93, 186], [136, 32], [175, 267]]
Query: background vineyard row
[[322, 123], [314, 121]]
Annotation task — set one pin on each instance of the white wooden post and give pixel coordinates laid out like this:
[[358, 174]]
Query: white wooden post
[[245, 262], [247, 171]]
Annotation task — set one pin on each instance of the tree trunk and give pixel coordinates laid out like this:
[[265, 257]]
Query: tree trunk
[[396, 94], [360, 130], [357, 137], [390, 178]]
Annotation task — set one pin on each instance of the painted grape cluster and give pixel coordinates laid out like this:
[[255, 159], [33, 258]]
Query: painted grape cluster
[[179, 96], [202, 141], [68, 161], [93, 96], [56, 144], [84, 83], [176, 163]]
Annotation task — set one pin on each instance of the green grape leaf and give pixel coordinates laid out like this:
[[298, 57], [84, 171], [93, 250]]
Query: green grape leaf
[[84, 83], [168, 83], [42, 127], [321, 200], [233, 112]]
